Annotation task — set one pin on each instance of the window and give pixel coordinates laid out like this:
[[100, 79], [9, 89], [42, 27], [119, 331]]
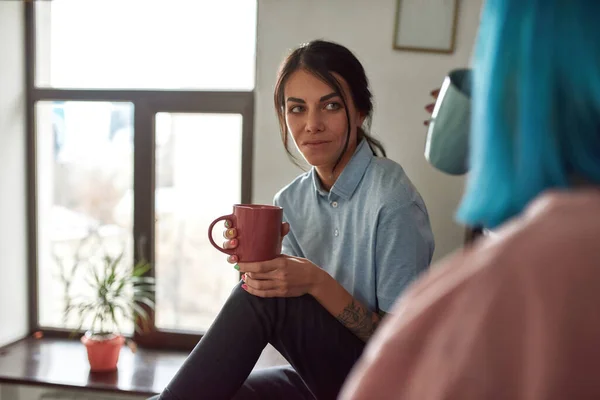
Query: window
[[194, 280], [140, 44], [140, 134], [84, 204]]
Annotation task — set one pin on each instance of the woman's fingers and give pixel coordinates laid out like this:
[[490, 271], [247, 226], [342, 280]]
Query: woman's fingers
[[230, 244], [260, 284], [429, 107], [285, 229], [263, 266], [230, 233], [262, 293], [272, 275]]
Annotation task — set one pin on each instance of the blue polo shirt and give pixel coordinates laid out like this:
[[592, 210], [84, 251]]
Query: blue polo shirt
[[370, 232]]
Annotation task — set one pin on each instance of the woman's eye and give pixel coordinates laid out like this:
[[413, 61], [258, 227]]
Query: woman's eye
[[333, 106], [296, 109]]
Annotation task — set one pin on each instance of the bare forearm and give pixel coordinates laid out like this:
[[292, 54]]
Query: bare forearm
[[351, 313]]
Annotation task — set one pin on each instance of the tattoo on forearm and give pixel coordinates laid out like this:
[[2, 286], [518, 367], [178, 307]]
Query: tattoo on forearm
[[359, 320]]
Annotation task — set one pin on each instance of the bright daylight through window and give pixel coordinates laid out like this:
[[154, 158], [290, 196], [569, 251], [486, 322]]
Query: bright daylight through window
[[86, 147]]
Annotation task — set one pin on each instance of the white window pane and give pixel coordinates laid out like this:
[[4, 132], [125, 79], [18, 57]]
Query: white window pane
[[140, 44], [84, 177], [198, 178]]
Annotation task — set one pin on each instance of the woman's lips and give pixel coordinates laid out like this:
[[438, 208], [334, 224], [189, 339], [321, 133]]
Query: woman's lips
[[315, 143]]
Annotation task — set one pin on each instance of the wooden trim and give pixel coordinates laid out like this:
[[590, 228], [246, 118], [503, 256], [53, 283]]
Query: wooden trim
[[31, 153], [161, 340], [176, 341], [168, 101], [247, 151]]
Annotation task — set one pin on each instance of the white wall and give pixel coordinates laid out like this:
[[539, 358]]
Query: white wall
[[13, 254], [401, 82]]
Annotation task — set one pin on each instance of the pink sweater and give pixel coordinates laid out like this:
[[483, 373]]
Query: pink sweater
[[515, 317]]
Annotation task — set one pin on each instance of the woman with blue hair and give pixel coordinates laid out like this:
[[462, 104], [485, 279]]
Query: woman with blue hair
[[516, 315]]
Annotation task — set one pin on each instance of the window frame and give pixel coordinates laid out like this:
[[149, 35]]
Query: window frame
[[146, 103]]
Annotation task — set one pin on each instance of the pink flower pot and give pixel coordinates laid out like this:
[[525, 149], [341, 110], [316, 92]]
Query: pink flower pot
[[103, 351]]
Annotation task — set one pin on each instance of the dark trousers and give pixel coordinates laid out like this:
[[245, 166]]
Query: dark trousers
[[319, 348]]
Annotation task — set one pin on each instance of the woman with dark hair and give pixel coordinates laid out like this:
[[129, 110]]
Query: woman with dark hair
[[356, 233]]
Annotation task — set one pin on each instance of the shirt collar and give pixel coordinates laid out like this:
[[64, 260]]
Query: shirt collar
[[348, 181]]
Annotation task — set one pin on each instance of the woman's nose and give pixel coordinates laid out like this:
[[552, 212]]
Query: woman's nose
[[314, 122]]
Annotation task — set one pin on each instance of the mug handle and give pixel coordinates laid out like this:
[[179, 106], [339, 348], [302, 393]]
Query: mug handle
[[210, 229]]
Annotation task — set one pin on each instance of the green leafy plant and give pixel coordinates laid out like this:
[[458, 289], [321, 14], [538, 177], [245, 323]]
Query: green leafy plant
[[115, 293]]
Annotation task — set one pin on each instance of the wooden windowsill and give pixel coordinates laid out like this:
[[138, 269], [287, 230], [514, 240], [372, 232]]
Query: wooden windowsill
[[63, 363]]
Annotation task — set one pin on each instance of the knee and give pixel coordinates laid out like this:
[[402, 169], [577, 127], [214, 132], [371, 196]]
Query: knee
[[238, 292], [239, 296]]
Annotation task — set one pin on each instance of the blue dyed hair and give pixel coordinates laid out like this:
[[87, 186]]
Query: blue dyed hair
[[536, 105]]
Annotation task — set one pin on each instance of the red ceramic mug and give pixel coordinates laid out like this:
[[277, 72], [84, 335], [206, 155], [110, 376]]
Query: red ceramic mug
[[258, 232]]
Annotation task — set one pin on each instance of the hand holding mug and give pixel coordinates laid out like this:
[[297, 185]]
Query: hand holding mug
[[447, 143], [284, 276], [230, 234], [257, 230], [429, 107]]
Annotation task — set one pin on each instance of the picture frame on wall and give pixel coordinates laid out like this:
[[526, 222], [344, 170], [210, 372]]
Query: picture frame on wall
[[426, 25]]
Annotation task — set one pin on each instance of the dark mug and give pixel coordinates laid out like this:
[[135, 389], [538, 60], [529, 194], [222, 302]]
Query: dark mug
[[258, 232], [447, 146]]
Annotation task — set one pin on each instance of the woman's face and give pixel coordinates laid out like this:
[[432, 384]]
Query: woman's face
[[316, 118]]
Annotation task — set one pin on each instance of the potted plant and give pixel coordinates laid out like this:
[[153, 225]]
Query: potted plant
[[116, 294]]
